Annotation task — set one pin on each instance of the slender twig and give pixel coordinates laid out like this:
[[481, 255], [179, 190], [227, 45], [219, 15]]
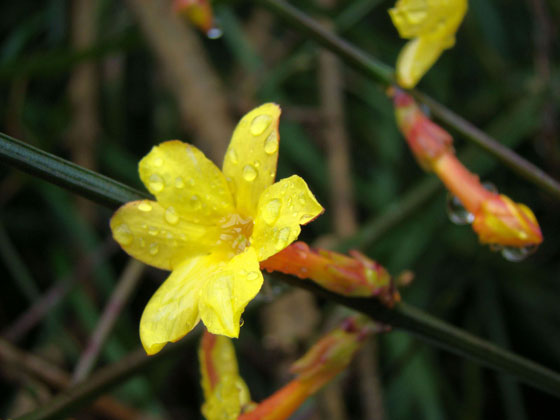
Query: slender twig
[[126, 285], [403, 316], [42, 306], [89, 184], [59, 379], [441, 334], [383, 74]]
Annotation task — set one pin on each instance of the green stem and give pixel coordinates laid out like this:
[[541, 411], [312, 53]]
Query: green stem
[[383, 74], [89, 184], [68, 402], [92, 185], [443, 335]]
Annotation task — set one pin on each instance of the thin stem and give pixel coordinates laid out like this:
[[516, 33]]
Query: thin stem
[[93, 185], [383, 74], [443, 335], [67, 402], [126, 285], [89, 184]]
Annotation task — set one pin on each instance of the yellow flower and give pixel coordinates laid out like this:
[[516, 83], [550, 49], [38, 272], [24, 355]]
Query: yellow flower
[[431, 24], [211, 229]]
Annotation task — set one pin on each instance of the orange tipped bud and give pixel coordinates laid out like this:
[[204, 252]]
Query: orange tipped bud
[[225, 392], [354, 275], [198, 12], [501, 221], [427, 140]]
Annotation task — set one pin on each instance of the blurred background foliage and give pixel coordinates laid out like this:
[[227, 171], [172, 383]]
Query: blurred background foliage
[[101, 82]]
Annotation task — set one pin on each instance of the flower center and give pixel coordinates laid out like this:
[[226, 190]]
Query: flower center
[[236, 231]]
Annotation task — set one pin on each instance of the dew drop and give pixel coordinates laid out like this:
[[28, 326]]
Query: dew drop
[[158, 162], [145, 206], [271, 143], [156, 182], [282, 238], [171, 216], [414, 17], [490, 187], [233, 156], [214, 32], [249, 173], [152, 230], [191, 182], [271, 211], [142, 243], [252, 276], [456, 212], [259, 124], [241, 322], [123, 234], [306, 218], [179, 183], [153, 249], [516, 254], [195, 202]]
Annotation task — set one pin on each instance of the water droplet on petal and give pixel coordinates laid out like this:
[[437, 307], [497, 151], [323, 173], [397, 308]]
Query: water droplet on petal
[[249, 173], [233, 156], [171, 216], [179, 183], [123, 234], [282, 238], [259, 124], [271, 211], [456, 212], [145, 206], [516, 254], [195, 202], [306, 218], [214, 32], [142, 243], [252, 276], [153, 249], [152, 230], [415, 16], [156, 182], [158, 161], [271, 143]]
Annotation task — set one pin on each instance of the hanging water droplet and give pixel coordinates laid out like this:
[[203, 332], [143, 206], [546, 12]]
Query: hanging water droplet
[[490, 187], [457, 213], [158, 162], [153, 249], [179, 183], [252, 276], [123, 234], [271, 211], [516, 254], [156, 182], [282, 238], [259, 124], [145, 206], [249, 173], [495, 247], [171, 216], [241, 322], [214, 32], [271, 143]]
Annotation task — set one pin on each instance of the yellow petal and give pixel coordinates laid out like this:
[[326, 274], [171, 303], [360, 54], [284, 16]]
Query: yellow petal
[[159, 236], [227, 293], [252, 155], [417, 57], [411, 17], [173, 310], [179, 175], [282, 208]]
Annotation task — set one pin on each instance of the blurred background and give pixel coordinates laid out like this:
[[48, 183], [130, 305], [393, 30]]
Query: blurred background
[[101, 82]]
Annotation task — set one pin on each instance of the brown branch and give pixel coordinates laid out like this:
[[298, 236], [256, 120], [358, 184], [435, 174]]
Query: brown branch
[[191, 78]]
